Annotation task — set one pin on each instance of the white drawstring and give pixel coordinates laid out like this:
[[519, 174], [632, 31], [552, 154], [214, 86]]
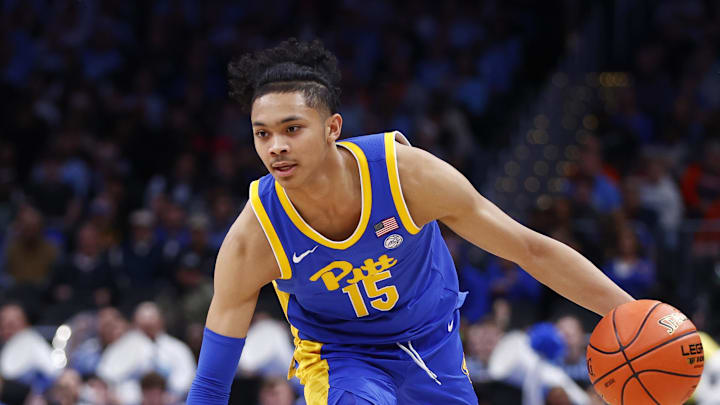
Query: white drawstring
[[418, 360]]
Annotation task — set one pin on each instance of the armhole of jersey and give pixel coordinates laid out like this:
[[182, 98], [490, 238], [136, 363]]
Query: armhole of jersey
[[269, 231], [394, 178], [284, 299]]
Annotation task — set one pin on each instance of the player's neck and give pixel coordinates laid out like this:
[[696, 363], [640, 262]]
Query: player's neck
[[330, 202], [337, 183]]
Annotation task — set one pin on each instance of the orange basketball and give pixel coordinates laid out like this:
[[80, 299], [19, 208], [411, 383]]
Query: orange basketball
[[645, 352]]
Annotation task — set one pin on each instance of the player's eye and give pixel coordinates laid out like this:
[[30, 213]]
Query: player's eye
[[293, 128], [260, 133]]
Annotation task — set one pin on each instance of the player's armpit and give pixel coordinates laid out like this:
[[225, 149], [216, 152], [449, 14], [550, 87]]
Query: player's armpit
[[244, 264]]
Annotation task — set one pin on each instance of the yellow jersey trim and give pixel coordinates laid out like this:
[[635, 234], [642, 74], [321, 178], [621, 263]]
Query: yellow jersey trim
[[269, 230], [312, 370], [395, 187], [365, 190]]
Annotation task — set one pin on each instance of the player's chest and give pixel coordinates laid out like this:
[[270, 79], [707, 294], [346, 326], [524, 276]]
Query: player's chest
[[365, 277], [317, 268]]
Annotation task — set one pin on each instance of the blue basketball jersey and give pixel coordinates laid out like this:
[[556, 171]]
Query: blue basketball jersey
[[390, 281]]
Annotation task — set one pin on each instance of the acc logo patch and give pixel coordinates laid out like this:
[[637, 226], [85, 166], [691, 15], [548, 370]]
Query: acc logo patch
[[672, 322], [393, 241]]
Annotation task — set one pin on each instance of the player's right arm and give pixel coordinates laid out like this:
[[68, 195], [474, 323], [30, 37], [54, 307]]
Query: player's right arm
[[244, 264]]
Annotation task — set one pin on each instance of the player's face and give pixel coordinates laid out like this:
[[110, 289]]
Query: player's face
[[291, 138]]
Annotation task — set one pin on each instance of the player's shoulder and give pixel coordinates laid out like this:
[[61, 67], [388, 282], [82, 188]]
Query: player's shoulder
[[430, 186], [245, 245], [413, 163], [246, 228]]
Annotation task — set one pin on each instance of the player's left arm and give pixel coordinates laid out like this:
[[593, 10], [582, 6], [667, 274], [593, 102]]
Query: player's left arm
[[434, 190]]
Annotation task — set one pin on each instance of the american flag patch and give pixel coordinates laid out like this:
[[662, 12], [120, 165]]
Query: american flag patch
[[385, 226]]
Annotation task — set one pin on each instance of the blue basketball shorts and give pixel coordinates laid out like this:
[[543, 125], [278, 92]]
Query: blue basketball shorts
[[430, 370]]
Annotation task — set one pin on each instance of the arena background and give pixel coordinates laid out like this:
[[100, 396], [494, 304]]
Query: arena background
[[123, 162]]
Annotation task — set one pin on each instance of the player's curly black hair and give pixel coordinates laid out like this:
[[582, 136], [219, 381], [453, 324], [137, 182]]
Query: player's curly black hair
[[291, 66]]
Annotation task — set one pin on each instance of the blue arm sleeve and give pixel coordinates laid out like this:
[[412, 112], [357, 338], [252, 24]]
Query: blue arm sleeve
[[218, 362]]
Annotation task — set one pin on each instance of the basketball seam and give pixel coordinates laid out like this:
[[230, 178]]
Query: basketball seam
[[637, 334], [603, 351], [671, 373], [639, 355], [622, 392], [647, 316], [627, 361]]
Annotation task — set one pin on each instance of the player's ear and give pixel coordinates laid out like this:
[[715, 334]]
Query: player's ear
[[333, 127]]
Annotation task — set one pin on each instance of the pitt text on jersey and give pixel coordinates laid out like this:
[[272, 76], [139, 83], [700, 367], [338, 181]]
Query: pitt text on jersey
[[368, 274]]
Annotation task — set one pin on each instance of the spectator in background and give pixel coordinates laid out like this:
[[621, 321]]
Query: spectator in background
[[68, 149], [171, 356], [276, 391], [9, 190], [223, 214], [509, 281], [147, 348], [604, 196], [225, 172], [141, 260], [480, 341], [98, 392], [25, 354], [270, 350], [701, 181], [193, 337], [529, 361], [642, 219], [632, 271], [652, 82], [154, 390], [194, 287], [587, 221], [182, 186], [576, 224], [708, 390], [193, 272], [172, 234], [111, 326], [83, 279], [701, 189], [658, 191], [30, 257], [630, 119], [104, 215], [199, 243], [53, 197], [574, 362], [557, 396], [67, 390]]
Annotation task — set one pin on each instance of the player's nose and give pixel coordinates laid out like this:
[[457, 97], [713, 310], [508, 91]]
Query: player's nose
[[279, 145]]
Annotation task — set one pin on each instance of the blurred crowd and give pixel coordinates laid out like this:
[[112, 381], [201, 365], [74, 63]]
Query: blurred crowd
[[123, 163], [639, 197]]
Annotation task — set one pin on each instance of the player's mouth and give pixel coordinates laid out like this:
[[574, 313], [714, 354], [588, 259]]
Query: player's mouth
[[283, 169]]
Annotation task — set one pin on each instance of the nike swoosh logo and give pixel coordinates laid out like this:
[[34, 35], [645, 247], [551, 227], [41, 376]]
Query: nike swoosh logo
[[450, 325], [298, 259]]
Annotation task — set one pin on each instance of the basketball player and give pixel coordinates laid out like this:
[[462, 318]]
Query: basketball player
[[347, 233]]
